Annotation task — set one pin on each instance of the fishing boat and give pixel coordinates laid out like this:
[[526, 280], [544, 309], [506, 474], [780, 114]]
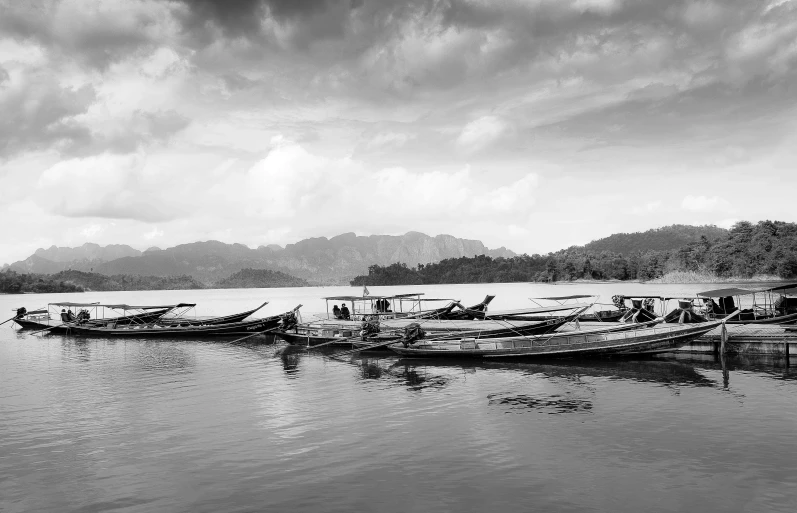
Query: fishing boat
[[614, 340]]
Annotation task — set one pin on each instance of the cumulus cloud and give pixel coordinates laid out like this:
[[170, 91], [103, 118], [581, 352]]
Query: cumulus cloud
[[704, 203]]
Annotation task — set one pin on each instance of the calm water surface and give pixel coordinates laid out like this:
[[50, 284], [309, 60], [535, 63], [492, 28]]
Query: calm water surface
[[135, 425]]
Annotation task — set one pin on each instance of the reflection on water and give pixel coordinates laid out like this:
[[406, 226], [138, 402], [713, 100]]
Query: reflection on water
[[290, 356], [551, 405]]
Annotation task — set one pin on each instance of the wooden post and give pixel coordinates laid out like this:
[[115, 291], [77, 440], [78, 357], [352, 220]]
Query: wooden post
[[787, 352], [723, 338]]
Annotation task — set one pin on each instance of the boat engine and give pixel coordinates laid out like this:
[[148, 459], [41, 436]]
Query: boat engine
[[639, 312], [684, 314], [83, 316], [412, 333], [619, 302], [288, 321], [369, 327]]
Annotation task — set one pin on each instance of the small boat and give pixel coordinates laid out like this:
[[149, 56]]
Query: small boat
[[615, 340], [225, 319]]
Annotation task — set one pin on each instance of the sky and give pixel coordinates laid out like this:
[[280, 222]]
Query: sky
[[529, 124]]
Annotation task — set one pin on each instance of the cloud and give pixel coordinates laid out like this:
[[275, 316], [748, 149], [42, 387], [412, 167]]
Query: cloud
[[704, 203], [153, 234], [108, 187], [91, 230], [647, 208], [481, 132], [728, 223], [39, 113]]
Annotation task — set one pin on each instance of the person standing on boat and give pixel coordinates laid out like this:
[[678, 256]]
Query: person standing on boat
[[336, 312], [344, 312]]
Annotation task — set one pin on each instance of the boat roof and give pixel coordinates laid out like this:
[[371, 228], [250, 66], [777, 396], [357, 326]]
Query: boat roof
[[731, 291], [785, 286], [542, 309], [123, 306], [562, 298], [369, 297]]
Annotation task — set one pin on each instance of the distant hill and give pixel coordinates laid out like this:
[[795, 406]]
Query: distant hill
[[260, 279], [101, 282], [658, 239], [317, 260]]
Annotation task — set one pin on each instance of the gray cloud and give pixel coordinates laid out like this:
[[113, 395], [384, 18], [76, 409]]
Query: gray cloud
[[41, 115]]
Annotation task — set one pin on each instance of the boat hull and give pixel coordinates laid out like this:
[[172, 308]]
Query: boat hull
[[238, 329], [641, 341]]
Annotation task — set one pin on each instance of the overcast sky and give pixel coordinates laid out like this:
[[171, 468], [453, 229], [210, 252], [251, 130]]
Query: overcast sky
[[530, 124]]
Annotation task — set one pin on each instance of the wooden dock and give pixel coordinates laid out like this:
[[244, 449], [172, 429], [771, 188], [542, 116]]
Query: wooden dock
[[749, 338]]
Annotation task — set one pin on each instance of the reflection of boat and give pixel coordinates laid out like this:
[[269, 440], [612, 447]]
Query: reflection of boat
[[644, 340], [664, 372]]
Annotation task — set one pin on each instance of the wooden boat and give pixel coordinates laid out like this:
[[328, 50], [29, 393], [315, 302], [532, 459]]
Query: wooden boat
[[313, 335], [233, 329], [225, 319], [616, 340]]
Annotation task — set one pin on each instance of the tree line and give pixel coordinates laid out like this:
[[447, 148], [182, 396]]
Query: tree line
[[765, 248]]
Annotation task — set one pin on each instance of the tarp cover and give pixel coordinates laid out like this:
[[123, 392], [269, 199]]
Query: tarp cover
[[725, 292], [563, 298]]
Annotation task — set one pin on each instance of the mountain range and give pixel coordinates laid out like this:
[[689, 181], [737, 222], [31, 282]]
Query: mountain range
[[318, 260]]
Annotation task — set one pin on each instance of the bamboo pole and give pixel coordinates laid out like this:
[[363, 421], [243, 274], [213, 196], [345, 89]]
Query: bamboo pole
[[11, 319]]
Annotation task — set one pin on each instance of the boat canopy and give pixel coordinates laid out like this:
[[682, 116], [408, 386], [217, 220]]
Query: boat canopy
[[369, 297], [785, 287], [123, 306], [536, 310], [563, 298], [732, 291]]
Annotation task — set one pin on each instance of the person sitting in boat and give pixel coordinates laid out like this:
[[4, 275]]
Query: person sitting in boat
[[64, 316], [336, 312], [344, 312], [70, 315]]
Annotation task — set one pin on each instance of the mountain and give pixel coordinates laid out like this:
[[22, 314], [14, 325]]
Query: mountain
[[88, 251], [659, 239], [318, 260]]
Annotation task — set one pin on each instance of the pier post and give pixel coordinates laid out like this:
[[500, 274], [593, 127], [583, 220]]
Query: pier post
[[786, 350], [723, 338]]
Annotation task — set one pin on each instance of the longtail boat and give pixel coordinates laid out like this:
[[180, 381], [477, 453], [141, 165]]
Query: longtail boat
[[88, 314], [178, 320], [326, 332], [614, 340], [157, 331]]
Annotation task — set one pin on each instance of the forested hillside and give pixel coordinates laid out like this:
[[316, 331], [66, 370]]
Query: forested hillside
[[658, 239], [260, 279], [746, 250], [19, 283], [101, 282]]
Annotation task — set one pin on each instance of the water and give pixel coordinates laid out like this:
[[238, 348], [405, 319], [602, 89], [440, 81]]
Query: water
[[135, 425]]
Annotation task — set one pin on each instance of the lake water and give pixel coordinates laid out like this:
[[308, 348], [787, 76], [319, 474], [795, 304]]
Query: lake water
[[194, 426]]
